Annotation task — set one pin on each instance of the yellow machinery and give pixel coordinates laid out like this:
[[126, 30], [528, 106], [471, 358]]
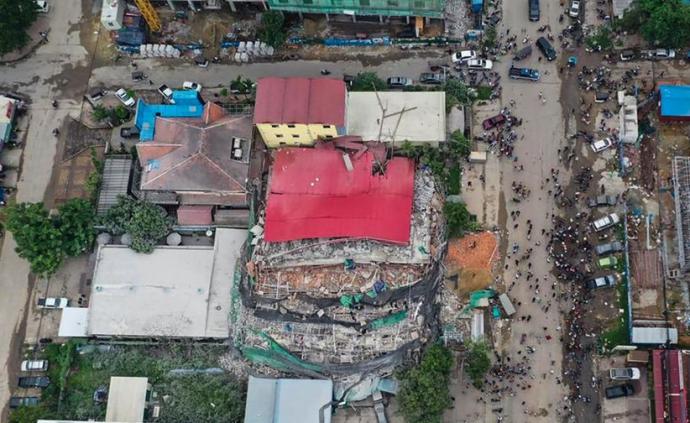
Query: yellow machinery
[[149, 14]]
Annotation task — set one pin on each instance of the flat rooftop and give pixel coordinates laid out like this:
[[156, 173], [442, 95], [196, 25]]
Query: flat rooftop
[[126, 399], [424, 119], [172, 292]]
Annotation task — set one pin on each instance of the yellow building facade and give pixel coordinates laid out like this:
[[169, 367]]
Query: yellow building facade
[[276, 135]]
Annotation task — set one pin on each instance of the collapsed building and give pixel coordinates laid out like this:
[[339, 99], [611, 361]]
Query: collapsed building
[[344, 265]]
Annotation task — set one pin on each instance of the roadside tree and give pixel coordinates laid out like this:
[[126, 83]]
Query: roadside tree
[[75, 222], [477, 362], [424, 393], [368, 81], [272, 30], [16, 17]]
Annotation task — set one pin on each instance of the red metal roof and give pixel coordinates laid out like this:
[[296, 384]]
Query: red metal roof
[[669, 388], [300, 100], [313, 195]]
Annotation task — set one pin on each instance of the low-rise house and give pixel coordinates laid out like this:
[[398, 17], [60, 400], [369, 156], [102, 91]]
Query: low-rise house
[[299, 111], [397, 116], [198, 164]]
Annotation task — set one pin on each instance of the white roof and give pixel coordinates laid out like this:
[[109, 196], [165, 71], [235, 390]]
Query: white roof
[[627, 120], [620, 6], [172, 292], [426, 123], [288, 400], [126, 399], [73, 322], [654, 335]]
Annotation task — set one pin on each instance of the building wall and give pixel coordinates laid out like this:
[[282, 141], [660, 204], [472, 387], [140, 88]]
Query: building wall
[[275, 135], [427, 8]]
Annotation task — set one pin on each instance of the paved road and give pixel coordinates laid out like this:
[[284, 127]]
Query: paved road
[[42, 77], [543, 135]]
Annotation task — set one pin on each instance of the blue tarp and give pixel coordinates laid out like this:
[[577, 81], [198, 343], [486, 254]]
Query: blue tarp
[[675, 100], [185, 106], [477, 5], [133, 37]]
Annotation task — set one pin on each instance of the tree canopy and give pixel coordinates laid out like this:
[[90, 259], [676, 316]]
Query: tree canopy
[[145, 222], [16, 16], [478, 362], [458, 219], [663, 23], [368, 81], [44, 240], [424, 393], [272, 30]]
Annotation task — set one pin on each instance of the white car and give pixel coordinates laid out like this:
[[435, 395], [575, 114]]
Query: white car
[[662, 53], [483, 64], [34, 365], [601, 145], [606, 222], [53, 302], [463, 56], [125, 98], [189, 85], [574, 10], [626, 373], [43, 6]]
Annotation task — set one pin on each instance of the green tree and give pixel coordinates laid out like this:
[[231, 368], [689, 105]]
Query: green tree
[[601, 39], [424, 393], [664, 23], [458, 219], [100, 113], [368, 81], [489, 38], [272, 30], [457, 93], [75, 222], [120, 112], [204, 399], [29, 414], [16, 17], [477, 362], [145, 222], [38, 239], [224, 92], [459, 145]]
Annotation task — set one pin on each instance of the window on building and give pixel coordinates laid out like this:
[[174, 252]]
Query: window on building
[[420, 4], [327, 127], [275, 126], [393, 3], [282, 143], [295, 136], [291, 126], [279, 135], [364, 3], [308, 1], [328, 137]]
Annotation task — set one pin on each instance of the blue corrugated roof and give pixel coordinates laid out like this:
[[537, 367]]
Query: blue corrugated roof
[[675, 100], [187, 105]]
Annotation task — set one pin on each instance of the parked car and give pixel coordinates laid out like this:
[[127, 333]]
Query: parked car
[[138, 76], [493, 121], [607, 262], [34, 382], [602, 282], [618, 391], [167, 93], [625, 373], [129, 132], [124, 97], [574, 11], [546, 48], [605, 222], [42, 6], [523, 73], [34, 365], [609, 248], [480, 64], [463, 56], [431, 78], [398, 82], [601, 145], [53, 302], [16, 402], [602, 200], [189, 85], [662, 53], [533, 10], [627, 55]]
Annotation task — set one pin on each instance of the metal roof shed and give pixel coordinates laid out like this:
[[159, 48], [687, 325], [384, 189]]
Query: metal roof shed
[[116, 171], [288, 400], [126, 399], [658, 336], [675, 102]]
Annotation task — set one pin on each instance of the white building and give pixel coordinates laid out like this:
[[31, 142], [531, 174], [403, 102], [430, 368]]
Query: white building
[[397, 116], [176, 292], [627, 120]]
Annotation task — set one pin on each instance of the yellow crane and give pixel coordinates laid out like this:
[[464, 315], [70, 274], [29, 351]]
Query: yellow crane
[[149, 14]]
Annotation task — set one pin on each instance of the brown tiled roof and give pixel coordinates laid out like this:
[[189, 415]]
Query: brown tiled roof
[[195, 154]]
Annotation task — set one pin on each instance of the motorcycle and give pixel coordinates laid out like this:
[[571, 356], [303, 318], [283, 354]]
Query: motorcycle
[[325, 72]]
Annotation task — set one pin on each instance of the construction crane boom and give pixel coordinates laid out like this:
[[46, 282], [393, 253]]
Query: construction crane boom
[[149, 14]]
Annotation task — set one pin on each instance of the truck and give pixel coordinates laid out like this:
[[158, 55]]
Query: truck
[[53, 302], [167, 93], [523, 73]]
